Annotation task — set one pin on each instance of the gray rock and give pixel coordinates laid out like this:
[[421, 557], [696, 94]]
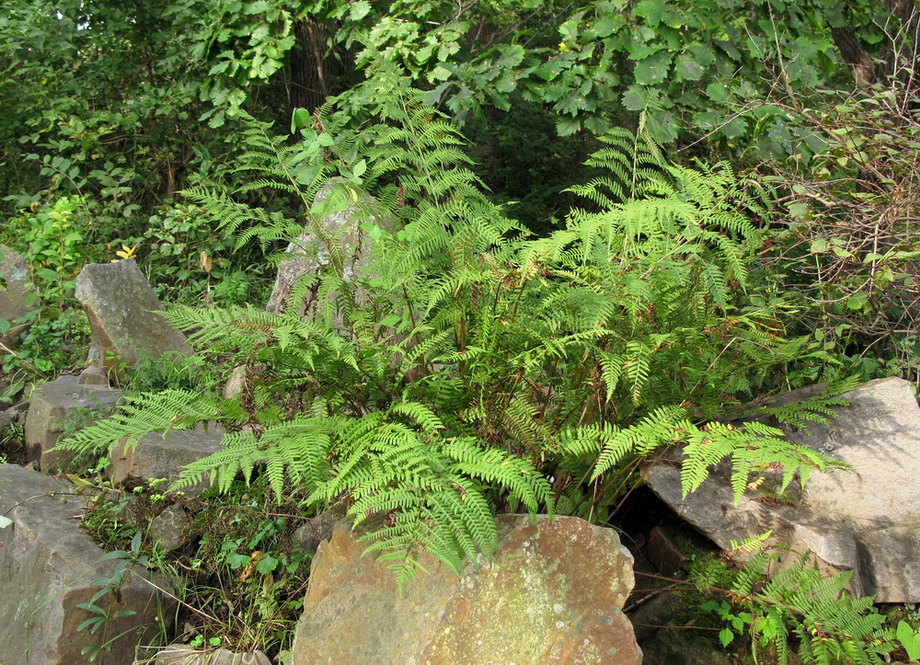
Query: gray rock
[[679, 646], [159, 456], [314, 531], [168, 528], [553, 593], [58, 405], [339, 211], [47, 567], [121, 308], [18, 296], [182, 654], [864, 520]]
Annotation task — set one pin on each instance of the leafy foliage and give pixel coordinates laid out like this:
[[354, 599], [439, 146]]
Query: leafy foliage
[[847, 254]]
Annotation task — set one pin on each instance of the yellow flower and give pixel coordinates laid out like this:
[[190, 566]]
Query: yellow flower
[[126, 252]]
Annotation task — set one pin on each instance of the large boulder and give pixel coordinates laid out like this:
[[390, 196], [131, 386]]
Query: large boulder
[[865, 519], [58, 406], [48, 566], [122, 312], [18, 296], [552, 594]]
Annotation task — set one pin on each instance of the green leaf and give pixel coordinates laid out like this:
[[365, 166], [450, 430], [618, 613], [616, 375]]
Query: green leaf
[[635, 98], [726, 636], [300, 118], [688, 68], [266, 564], [653, 69], [798, 210], [818, 246], [653, 11], [359, 10]]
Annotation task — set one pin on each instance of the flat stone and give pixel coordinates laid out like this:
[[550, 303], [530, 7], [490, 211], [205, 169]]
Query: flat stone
[[55, 405], [865, 519], [159, 456], [18, 296], [553, 593], [48, 565], [121, 308]]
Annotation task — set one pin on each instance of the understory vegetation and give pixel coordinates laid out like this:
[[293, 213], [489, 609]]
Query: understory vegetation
[[526, 318]]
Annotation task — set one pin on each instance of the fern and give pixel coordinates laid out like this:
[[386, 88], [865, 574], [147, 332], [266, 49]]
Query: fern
[[470, 362], [799, 609]]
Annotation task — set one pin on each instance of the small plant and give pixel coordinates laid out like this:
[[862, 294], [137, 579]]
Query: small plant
[[909, 639], [102, 604]]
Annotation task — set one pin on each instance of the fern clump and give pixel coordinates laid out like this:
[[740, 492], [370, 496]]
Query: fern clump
[[471, 368], [797, 610]]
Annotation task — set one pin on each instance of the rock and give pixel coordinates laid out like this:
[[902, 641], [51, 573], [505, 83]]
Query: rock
[[679, 646], [93, 376], [865, 520], [168, 528], [18, 296], [47, 567], [664, 553], [121, 308], [339, 210], [315, 531], [182, 654], [159, 456], [61, 405], [552, 594]]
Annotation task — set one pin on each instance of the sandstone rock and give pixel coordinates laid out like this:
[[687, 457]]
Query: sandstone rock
[[159, 456], [121, 308], [57, 405], [865, 519], [47, 567], [182, 654], [339, 209], [18, 296], [552, 594]]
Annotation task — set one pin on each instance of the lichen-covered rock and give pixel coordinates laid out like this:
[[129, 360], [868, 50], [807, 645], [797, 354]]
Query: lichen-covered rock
[[18, 296], [339, 211], [122, 312], [57, 405], [864, 519], [48, 566], [551, 595]]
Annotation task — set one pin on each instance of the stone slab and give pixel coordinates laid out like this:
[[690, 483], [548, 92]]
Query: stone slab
[[47, 566], [52, 406], [551, 595], [122, 312], [866, 519]]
